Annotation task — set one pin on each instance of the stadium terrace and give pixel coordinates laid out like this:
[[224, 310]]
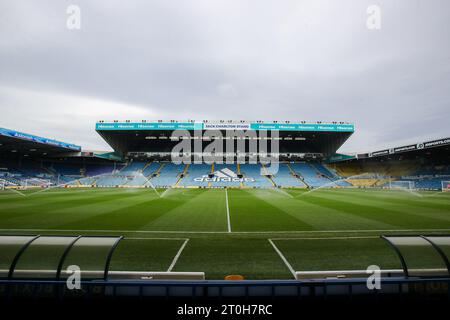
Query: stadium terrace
[[226, 153]]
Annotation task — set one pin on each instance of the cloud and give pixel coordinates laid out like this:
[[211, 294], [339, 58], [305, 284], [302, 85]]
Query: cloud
[[62, 116], [227, 90]]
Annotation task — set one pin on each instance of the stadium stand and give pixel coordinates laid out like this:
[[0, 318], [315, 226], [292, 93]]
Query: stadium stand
[[167, 175], [150, 168], [227, 172], [285, 177], [253, 171], [311, 176], [96, 169], [331, 175], [194, 173], [140, 162], [111, 181], [132, 168]]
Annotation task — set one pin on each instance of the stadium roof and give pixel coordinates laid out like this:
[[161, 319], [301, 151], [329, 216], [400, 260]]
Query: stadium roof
[[16, 142], [318, 126], [416, 147], [155, 136], [439, 147]]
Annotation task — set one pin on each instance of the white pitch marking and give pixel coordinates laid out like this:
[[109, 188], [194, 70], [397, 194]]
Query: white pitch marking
[[175, 259], [228, 211], [283, 258], [140, 238], [329, 238]]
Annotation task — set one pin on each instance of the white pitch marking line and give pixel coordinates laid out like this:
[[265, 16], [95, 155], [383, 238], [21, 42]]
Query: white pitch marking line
[[228, 211], [329, 238], [175, 259], [141, 238], [283, 258]]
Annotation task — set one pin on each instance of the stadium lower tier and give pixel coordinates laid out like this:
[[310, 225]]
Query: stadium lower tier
[[166, 175]]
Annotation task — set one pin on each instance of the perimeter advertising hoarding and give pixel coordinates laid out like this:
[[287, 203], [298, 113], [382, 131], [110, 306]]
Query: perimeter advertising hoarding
[[30, 137], [113, 126]]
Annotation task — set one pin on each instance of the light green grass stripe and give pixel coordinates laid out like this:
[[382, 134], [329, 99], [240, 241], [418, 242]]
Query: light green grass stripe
[[321, 217]]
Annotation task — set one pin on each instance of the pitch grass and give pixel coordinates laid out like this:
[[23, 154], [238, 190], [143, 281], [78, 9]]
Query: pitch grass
[[320, 230]]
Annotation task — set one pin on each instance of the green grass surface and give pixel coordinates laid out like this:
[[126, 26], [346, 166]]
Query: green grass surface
[[320, 230]]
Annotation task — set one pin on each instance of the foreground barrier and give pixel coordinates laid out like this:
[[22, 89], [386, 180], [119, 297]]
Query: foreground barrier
[[392, 288]]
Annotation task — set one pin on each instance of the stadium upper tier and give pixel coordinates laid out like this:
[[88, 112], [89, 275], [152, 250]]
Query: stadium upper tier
[[18, 144], [152, 139], [143, 154]]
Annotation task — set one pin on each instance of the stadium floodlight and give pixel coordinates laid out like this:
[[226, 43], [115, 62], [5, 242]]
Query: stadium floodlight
[[445, 186], [401, 185]]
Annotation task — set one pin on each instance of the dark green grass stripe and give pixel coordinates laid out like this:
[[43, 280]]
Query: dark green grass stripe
[[410, 199], [413, 197], [60, 206], [345, 254], [133, 217], [381, 214], [32, 200], [144, 255], [252, 258], [202, 211], [404, 206], [322, 218], [250, 213]]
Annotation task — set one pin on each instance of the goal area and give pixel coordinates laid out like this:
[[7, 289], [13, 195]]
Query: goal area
[[401, 185], [445, 186]]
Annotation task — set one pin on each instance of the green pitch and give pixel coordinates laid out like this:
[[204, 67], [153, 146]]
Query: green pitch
[[236, 231]]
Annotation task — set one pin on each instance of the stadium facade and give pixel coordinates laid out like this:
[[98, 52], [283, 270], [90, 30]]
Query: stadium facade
[[226, 153]]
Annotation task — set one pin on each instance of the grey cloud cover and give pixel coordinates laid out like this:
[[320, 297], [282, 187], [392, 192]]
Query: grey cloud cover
[[227, 59]]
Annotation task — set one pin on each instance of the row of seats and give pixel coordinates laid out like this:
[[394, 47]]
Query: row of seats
[[140, 173], [284, 177]]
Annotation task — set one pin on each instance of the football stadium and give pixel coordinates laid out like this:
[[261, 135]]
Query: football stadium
[[279, 207], [224, 159]]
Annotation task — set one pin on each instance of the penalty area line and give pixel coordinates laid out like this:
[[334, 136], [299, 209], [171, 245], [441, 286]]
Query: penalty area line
[[327, 238], [177, 256], [160, 238], [288, 265]]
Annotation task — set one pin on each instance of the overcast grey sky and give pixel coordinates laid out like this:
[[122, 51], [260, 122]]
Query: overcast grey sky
[[227, 59]]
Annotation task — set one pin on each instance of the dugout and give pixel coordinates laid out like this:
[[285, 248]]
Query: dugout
[[422, 255], [48, 257]]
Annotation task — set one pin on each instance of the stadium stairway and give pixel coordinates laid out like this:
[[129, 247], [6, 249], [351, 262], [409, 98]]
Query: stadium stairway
[[310, 175], [297, 176], [182, 174], [267, 175], [167, 175], [158, 171], [150, 169], [196, 171], [212, 172], [238, 170], [285, 178]]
